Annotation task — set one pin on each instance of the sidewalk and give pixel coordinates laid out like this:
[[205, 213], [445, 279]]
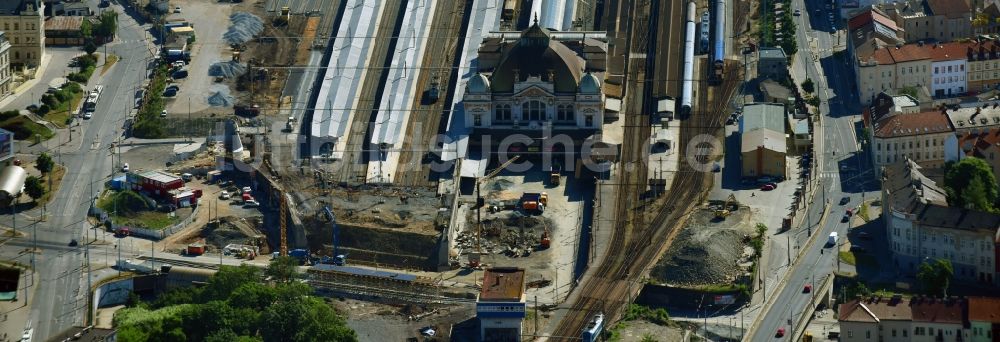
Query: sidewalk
[[14, 315]]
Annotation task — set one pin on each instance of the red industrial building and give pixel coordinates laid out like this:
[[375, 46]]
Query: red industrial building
[[164, 186]]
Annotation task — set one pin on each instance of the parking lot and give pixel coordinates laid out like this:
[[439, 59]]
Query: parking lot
[[210, 20]]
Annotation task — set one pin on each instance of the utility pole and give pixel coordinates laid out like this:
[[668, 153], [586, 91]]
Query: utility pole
[[788, 249]]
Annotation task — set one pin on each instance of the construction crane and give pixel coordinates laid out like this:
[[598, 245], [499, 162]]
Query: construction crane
[[338, 259], [724, 212], [480, 202], [282, 217]]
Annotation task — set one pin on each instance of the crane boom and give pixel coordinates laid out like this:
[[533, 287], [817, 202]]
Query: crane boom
[[282, 217]]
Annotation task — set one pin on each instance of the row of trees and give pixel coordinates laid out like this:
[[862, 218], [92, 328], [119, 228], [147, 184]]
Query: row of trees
[[769, 31], [236, 305]]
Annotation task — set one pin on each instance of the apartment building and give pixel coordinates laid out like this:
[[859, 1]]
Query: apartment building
[[975, 119], [948, 73], [5, 76], [921, 225], [24, 25], [922, 137], [892, 68], [931, 20], [869, 30], [919, 319], [982, 145], [983, 64]]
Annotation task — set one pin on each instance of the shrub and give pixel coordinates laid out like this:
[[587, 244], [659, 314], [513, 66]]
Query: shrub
[[50, 100], [43, 109], [9, 114]]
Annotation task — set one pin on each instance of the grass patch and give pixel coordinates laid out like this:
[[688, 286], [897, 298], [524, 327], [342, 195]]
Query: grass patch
[[636, 312], [25, 129], [131, 209], [863, 212], [109, 61], [57, 174], [848, 258], [62, 114]]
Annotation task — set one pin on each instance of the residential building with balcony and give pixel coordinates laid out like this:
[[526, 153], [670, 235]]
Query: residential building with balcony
[[921, 225]]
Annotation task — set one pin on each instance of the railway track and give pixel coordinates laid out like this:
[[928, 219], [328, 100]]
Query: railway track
[[636, 243], [449, 24], [355, 167]]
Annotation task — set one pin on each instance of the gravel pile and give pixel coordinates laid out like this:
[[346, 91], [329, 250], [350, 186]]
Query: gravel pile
[[220, 96], [244, 27], [230, 69], [706, 251]]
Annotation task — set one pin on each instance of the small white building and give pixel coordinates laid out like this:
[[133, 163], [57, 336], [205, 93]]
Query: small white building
[[500, 307]]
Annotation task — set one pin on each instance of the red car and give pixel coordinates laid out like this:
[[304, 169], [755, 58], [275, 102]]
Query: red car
[[767, 187], [850, 212], [780, 333], [808, 288]]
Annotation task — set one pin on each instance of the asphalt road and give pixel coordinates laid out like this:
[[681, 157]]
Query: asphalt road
[[60, 298], [841, 165]]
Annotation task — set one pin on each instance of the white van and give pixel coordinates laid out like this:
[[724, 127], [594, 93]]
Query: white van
[[832, 240]]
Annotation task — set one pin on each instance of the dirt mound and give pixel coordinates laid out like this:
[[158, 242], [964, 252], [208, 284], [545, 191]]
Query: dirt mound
[[230, 230], [707, 251]]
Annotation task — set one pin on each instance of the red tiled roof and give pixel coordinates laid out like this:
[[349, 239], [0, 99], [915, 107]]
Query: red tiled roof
[[984, 309], [912, 124], [974, 144], [866, 17], [949, 51], [938, 310], [875, 309], [905, 53], [949, 8]]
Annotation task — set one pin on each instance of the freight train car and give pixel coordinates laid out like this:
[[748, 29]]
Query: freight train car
[[719, 42], [688, 81]]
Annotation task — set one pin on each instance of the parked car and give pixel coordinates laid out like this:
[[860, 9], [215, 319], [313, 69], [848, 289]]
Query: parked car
[[224, 195], [177, 9], [251, 204], [125, 167], [798, 12], [845, 218], [767, 187], [163, 113], [247, 190], [170, 92], [844, 200]]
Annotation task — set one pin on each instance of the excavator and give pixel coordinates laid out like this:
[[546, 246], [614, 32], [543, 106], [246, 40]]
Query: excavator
[[724, 212]]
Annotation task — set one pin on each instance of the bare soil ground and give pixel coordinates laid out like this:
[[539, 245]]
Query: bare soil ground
[[708, 250]]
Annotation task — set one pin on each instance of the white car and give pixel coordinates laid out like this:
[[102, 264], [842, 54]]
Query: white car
[[224, 195], [247, 190], [125, 167], [251, 204], [177, 9], [88, 114], [163, 114]]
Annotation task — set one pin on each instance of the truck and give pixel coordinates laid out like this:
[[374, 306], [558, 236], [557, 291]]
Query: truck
[[534, 202], [554, 174], [195, 249], [299, 254]]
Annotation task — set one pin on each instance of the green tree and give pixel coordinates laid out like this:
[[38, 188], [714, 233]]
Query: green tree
[[86, 28], [970, 183], [912, 91], [304, 319], [858, 289], [227, 280], [282, 269], [808, 86], [44, 163], [107, 24], [34, 188], [90, 47], [935, 276]]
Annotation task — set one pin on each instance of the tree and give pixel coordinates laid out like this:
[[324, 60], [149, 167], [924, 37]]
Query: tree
[[34, 188], [282, 268], [970, 183], [808, 86], [935, 276], [227, 280], [90, 47], [912, 91], [86, 28], [858, 289], [44, 163], [304, 319]]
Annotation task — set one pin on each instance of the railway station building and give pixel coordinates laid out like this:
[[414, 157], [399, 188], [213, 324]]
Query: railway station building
[[539, 84], [500, 306]]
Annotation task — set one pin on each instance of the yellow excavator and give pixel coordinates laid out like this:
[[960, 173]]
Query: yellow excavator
[[724, 212]]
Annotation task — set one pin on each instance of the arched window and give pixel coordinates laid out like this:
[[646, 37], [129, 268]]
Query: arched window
[[503, 113], [533, 111], [564, 113]]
